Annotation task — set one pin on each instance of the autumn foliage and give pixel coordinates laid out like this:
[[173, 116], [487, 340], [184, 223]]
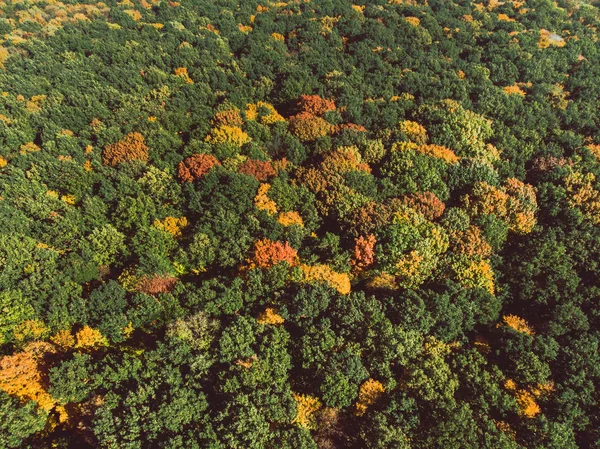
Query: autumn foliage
[[307, 407], [470, 243], [260, 170], [132, 147], [290, 218], [233, 135], [153, 285], [369, 392], [89, 338], [364, 256], [263, 202], [518, 324], [324, 273], [308, 127], [21, 374], [514, 203], [196, 166], [268, 253], [229, 117], [270, 316], [582, 195], [172, 225], [427, 203], [315, 105]]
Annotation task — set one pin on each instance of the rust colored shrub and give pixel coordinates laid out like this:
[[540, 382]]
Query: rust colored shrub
[[196, 166], [364, 254], [129, 148], [315, 105], [153, 285], [261, 170], [268, 253], [426, 203], [366, 219], [352, 127]]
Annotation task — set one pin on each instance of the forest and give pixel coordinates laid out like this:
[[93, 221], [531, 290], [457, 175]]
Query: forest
[[301, 224]]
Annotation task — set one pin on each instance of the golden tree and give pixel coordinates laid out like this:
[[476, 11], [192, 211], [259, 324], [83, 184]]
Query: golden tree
[[369, 392], [263, 202], [518, 324], [323, 273], [414, 131], [129, 148], [172, 225], [89, 338], [270, 316], [307, 406], [308, 127], [290, 218], [228, 134], [21, 374]]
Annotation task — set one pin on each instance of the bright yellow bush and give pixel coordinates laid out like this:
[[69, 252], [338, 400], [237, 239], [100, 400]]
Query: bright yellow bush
[[414, 21], [89, 337], [263, 202], [369, 392], [323, 273], [269, 316], [31, 330], [182, 73], [527, 405], [514, 90], [307, 407], [476, 274], [518, 324], [228, 134], [290, 218], [414, 131], [172, 225]]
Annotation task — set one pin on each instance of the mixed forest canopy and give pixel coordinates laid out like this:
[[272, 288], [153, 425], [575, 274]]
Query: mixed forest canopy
[[311, 224]]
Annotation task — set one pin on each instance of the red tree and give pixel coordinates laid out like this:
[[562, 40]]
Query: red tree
[[261, 170], [153, 285], [427, 203], [196, 166], [268, 253], [315, 105], [363, 252]]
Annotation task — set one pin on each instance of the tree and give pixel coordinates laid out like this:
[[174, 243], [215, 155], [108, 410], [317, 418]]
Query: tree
[[132, 147], [196, 166]]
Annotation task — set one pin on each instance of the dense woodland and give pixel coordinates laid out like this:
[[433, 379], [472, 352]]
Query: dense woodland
[[233, 224]]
